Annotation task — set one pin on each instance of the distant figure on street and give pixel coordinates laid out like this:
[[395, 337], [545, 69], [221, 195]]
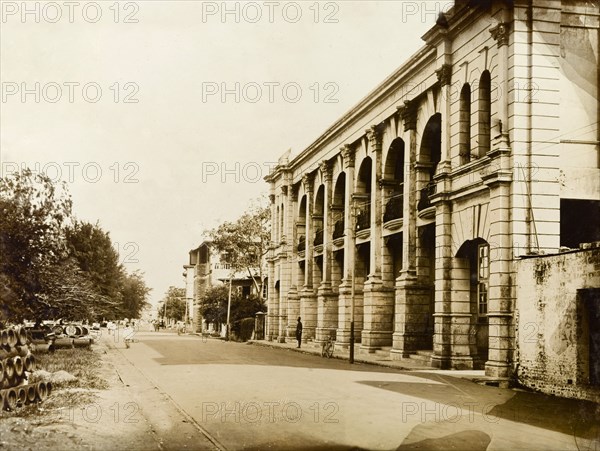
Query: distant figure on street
[[128, 334], [299, 332]]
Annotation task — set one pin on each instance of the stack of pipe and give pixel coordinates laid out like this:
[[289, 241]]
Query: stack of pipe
[[16, 364], [72, 335]]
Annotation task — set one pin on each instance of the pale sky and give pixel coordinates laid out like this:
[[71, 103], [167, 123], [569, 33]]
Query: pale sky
[[129, 109]]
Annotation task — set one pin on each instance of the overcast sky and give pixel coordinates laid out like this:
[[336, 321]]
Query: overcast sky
[[163, 117]]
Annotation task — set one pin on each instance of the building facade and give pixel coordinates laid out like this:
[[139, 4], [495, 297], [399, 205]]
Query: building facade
[[406, 217], [207, 268]]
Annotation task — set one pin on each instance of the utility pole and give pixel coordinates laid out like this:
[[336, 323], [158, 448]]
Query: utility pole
[[229, 305], [354, 212]]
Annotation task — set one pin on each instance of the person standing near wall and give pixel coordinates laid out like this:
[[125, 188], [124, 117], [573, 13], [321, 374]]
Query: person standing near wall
[[299, 332]]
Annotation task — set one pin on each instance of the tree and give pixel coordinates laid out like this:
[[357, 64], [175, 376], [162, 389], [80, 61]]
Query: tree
[[53, 266], [134, 295], [96, 257], [69, 293], [32, 215], [93, 250], [245, 241], [173, 304], [213, 306]]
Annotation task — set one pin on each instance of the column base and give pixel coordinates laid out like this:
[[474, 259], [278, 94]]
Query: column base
[[413, 322], [293, 312], [378, 315], [327, 313], [372, 340], [308, 313], [498, 369], [397, 354]]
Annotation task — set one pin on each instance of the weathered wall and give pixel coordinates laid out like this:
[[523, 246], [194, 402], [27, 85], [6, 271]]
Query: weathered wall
[[552, 335]]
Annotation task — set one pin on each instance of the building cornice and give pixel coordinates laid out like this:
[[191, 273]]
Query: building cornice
[[426, 55]]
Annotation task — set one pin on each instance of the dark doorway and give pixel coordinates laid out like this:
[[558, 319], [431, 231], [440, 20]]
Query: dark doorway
[[589, 302]]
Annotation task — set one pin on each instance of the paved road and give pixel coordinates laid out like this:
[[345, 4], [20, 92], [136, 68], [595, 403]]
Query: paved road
[[249, 397]]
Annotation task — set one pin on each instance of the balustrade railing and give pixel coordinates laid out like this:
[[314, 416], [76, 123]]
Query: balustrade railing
[[301, 243], [425, 196], [363, 217], [394, 207], [338, 229], [318, 237]]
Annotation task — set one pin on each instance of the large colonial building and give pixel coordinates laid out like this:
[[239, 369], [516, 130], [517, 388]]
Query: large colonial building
[[482, 149]]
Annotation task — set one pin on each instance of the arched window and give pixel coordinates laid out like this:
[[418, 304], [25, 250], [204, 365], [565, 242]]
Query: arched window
[[277, 231], [464, 122], [281, 223], [485, 120]]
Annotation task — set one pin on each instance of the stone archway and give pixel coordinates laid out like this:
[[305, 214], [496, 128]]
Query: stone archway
[[471, 285]]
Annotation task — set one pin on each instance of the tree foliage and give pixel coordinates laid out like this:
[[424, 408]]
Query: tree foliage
[[245, 241], [213, 305], [32, 215], [134, 295], [53, 266], [173, 304], [92, 248]]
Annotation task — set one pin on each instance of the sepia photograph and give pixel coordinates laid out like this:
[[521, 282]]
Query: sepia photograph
[[300, 225]]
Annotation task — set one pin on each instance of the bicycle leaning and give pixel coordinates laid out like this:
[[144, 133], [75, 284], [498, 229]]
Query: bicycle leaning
[[327, 348]]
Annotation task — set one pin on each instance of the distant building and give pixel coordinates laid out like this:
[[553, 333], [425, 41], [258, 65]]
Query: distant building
[[479, 151], [208, 268]]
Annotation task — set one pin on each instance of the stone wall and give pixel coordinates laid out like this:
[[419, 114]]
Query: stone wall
[[554, 298]]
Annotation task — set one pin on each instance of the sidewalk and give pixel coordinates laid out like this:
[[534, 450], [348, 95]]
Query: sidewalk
[[381, 358]]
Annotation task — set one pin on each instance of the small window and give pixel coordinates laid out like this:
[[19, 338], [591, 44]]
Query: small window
[[483, 274], [485, 119], [464, 122]]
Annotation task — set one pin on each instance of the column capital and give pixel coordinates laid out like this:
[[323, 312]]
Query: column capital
[[444, 74], [308, 182], [348, 154], [272, 198], [500, 33], [284, 190], [326, 170], [293, 190], [374, 136], [408, 113]]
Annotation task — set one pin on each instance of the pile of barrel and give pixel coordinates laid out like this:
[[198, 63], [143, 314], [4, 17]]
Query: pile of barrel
[[16, 365]]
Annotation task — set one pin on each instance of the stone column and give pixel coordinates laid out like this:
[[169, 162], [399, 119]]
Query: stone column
[[442, 335], [501, 290], [327, 303], [283, 260], [293, 299], [308, 297], [345, 288], [411, 297], [378, 304]]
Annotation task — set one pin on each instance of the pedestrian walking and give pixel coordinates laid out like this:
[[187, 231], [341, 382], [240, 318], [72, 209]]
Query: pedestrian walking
[[299, 332]]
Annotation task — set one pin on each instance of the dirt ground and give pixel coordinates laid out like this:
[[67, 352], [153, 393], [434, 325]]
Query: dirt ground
[[131, 414]]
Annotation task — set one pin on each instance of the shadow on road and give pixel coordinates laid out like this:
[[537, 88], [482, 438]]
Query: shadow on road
[[573, 417]]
